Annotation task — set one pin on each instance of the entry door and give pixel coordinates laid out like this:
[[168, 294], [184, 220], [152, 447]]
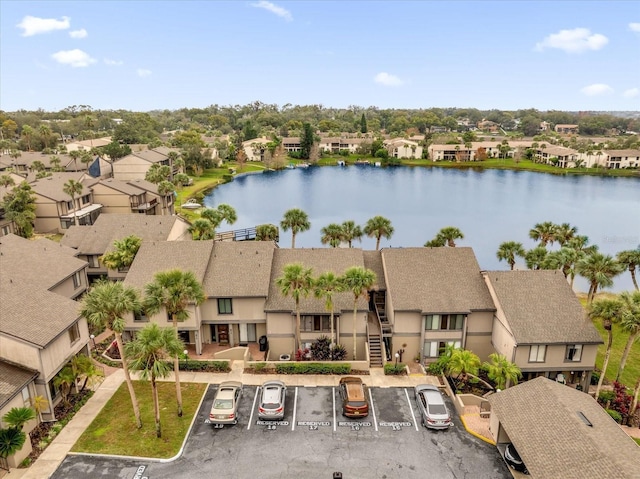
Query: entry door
[[247, 332], [223, 333]]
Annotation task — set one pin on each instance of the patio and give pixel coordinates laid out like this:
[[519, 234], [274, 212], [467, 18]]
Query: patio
[[210, 350]]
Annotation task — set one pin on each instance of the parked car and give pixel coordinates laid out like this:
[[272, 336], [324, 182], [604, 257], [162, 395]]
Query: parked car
[[224, 409], [272, 397], [354, 397], [433, 411], [513, 459]]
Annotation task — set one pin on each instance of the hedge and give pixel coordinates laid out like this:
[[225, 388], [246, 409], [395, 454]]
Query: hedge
[[394, 369], [313, 368]]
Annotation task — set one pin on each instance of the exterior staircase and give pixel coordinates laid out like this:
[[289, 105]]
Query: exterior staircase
[[375, 351]]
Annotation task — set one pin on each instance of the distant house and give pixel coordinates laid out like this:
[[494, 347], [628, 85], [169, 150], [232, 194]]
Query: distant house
[[332, 144], [255, 149], [560, 432], [564, 157], [88, 144], [401, 148], [566, 129], [136, 165], [616, 159], [137, 196], [486, 125]]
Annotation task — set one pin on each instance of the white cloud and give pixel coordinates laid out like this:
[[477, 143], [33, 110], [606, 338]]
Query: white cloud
[[273, 8], [82, 33], [631, 93], [76, 58], [34, 25], [142, 72], [634, 27], [573, 41], [597, 89], [113, 63], [387, 79]]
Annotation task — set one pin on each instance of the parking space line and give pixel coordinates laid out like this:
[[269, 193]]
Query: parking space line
[[373, 409], [253, 408], [295, 405], [333, 396], [415, 422]]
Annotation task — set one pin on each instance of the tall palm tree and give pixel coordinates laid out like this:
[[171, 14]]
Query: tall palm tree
[[378, 227], [581, 244], [599, 270], [266, 232], [437, 242], [173, 290], [6, 180], [631, 260], [564, 232], [630, 324], [508, 251], [543, 232], [351, 232], [105, 306], [450, 234], [296, 281], [325, 286], [502, 371], [534, 258], [607, 311], [358, 280], [75, 155], [202, 229], [332, 235], [222, 213], [463, 362], [123, 253], [165, 189], [296, 220], [27, 133], [148, 353], [73, 188], [158, 173]]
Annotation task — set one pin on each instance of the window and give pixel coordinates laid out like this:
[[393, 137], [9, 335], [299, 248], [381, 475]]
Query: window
[[26, 396], [5, 230], [74, 333], [85, 199], [433, 349], [69, 205], [77, 279], [537, 353], [225, 306], [93, 261], [573, 352], [449, 322], [140, 316], [315, 323], [65, 224]]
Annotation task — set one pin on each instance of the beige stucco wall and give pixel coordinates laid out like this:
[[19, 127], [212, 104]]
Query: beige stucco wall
[[19, 352], [66, 287], [502, 339], [130, 168], [407, 335], [47, 217], [478, 333], [554, 359], [243, 309], [60, 350], [112, 201], [179, 228]]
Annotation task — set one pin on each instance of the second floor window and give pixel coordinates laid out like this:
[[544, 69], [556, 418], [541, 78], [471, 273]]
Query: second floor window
[[537, 353], [315, 323], [74, 333], [573, 352], [444, 321], [86, 199], [140, 316], [77, 279], [225, 306]]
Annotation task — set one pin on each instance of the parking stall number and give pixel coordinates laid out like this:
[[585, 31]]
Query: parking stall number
[[396, 426], [313, 425], [272, 425], [354, 425], [139, 473]]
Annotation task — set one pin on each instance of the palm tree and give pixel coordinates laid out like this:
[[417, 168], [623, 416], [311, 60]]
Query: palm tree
[[378, 227], [64, 381], [297, 281], [27, 133], [450, 234], [148, 352], [165, 188], [598, 269], [73, 188], [173, 290], [608, 311], [631, 260], [437, 242], [331, 234], [634, 403], [502, 371], [266, 232], [6, 180], [296, 220], [13, 438], [351, 232], [463, 362], [544, 232], [202, 229], [508, 251], [358, 280], [124, 251], [534, 258], [158, 173], [222, 213], [564, 232], [105, 306], [630, 323], [75, 155], [326, 285], [580, 242]]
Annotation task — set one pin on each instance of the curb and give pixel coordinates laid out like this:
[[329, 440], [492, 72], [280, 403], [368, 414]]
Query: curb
[[473, 433]]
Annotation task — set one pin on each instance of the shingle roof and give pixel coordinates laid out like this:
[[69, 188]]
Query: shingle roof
[[52, 186], [40, 263], [99, 237], [541, 307], [373, 261], [542, 419], [121, 186], [144, 185], [13, 379], [239, 269], [37, 318], [156, 256], [632, 153], [435, 280], [320, 260]]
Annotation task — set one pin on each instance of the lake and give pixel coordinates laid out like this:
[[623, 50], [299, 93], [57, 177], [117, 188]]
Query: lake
[[489, 206]]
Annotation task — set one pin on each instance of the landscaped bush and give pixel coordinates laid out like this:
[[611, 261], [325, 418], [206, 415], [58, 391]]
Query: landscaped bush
[[259, 367], [617, 417], [204, 366], [312, 368], [394, 369], [436, 368], [606, 396], [595, 377]]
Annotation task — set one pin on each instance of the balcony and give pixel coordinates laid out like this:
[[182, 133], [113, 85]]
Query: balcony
[[144, 206]]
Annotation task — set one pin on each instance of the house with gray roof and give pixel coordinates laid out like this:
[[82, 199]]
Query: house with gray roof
[[41, 330], [135, 165], [540, 325], [561, 432], [131, 197]]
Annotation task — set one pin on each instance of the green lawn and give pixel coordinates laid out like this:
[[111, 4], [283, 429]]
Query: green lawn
[[114, 431], [631, 371]]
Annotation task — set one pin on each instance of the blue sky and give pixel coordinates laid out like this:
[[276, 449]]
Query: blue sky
[[144, 55]]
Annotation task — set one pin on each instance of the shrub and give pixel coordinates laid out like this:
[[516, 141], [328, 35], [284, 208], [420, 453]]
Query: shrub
[[606, 396], [437, 368], [259, 367], [321, 349], [595, 377], [204, 366], [394, 369], [338, 353], [617, 417], [312, 368]]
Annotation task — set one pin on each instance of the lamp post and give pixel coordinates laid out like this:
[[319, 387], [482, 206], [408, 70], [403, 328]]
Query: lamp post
[[186, 356], [397, 357], [92, 337]]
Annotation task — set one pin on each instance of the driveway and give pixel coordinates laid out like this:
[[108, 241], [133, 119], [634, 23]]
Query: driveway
[[313, 441]]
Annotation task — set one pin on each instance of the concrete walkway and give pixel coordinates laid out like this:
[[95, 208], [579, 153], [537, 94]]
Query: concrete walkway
[[55, 453]]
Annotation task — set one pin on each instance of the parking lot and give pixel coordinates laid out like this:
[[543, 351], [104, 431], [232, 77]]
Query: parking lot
[[312, 441]]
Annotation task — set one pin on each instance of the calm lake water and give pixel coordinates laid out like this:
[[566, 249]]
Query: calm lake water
[[489, 206]]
